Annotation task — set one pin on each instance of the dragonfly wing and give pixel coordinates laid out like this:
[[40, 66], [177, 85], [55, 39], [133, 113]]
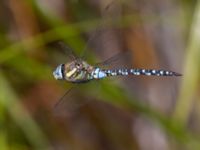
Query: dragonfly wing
[[109, 15], [61, 100], [71, 102], [67, 50], [115, 60]]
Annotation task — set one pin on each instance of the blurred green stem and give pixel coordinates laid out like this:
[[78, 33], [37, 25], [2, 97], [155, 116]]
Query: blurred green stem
[[20, 116], [191, 72]]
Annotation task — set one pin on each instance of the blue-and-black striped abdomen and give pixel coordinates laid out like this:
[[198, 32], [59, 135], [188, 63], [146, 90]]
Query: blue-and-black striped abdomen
[[102, 73]]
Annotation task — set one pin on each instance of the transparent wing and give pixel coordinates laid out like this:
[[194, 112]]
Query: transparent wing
[[75, 99], [61, 53], [66, 50], [117, 60], [104, 35], [68, 104], [61, 100]]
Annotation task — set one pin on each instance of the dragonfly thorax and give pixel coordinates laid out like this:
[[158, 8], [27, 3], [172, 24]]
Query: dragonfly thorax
[[74, 71]]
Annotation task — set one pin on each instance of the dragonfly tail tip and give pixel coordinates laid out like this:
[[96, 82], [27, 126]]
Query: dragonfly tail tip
[[177, 74]]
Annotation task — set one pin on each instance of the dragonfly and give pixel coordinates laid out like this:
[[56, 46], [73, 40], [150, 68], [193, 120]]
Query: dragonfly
[[80, 71]]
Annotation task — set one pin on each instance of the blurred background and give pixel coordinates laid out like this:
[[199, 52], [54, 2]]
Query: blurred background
[[118, 113]]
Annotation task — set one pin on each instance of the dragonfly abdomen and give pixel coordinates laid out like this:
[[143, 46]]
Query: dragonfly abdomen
[[146, 72]]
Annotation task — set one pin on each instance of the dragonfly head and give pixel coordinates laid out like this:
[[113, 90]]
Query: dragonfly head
[[58, 72]]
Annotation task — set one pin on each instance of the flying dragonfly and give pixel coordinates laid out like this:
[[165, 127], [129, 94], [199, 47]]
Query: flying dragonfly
[[79, 71]]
